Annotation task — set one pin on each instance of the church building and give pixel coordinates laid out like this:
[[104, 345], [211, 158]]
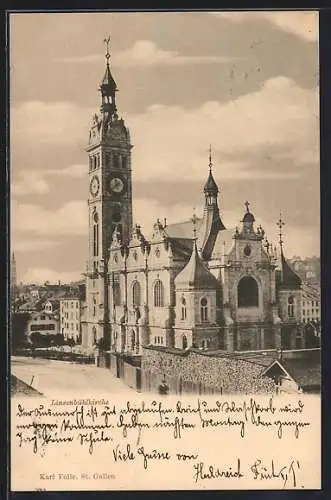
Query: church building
[[194, 284]]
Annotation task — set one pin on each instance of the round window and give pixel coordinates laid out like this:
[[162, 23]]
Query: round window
[[204, 301], [247, 250]]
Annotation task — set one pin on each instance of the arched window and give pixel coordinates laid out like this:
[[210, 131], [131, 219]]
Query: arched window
[[183, 308], [290, 307], [204, 309], [94, 333], [184, 342], [95, 235], [94, 306], [117, 294], [136, 294], [133, 340], [248, 292], [158, 294]]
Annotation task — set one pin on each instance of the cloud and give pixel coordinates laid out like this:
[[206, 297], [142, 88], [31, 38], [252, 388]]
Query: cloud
[[172, 142], [30, 182], [42, 123], [40, 275], [146, 53], [69, 219], [147, 211], [301, 23], [34, 245], [295, 237], [34, 182]]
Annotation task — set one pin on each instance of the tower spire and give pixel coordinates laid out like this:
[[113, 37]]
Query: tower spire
[[108, 86], [107, 43], [210, 161], [280, 225]]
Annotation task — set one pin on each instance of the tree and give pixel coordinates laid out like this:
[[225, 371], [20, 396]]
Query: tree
[[59, 339], [36, 338]]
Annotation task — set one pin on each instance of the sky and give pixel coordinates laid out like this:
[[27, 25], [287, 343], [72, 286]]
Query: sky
[[245, 83]]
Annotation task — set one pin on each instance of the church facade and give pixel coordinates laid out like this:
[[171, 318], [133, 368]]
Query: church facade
[[194, 284]]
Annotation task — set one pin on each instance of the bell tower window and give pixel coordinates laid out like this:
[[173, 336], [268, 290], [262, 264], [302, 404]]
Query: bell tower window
[[183, 308], [248, 292], [290, 307], [124, 162], [95, 235], [204, 309], [184, 342]]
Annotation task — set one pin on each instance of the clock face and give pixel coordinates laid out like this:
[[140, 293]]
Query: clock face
[[116, 185], [94, 185]]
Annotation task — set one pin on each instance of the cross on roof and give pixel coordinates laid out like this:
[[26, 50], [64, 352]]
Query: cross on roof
[[247, 205], [194, 221], [107, 43]]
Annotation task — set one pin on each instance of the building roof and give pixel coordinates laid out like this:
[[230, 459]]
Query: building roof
[[195, 274], [289, 278], [182, 229], [305, 372], [223, 244]]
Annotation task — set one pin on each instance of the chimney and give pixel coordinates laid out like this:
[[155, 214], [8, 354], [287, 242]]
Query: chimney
[[165, 223]]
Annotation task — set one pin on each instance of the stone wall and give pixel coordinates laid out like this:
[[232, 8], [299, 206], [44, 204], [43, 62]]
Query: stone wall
[[225, 375]]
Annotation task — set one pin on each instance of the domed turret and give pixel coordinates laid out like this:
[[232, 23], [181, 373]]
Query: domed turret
[[248, 220], [195, 275]]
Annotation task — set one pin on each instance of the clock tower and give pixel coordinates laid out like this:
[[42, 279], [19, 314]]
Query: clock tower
[[109, 203]]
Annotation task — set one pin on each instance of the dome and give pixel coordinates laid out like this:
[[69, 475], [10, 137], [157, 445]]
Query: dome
[[249, 217]]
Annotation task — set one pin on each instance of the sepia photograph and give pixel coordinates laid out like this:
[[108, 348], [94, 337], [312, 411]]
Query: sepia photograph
[[165, 210]]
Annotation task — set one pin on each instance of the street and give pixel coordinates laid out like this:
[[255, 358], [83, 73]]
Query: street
[[55, 378]]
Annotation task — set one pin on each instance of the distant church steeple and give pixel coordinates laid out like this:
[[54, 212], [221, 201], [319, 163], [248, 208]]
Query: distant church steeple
[[211, 223], [211, 189]]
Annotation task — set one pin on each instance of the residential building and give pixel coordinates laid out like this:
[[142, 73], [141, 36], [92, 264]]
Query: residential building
[[70, 318]]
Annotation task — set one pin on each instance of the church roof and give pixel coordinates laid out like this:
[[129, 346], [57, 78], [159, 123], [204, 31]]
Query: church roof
[[223, 244], [182, 229], [195, 274], [289, 278]]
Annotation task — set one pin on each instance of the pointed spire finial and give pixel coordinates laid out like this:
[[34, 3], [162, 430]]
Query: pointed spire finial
[[194, 221], [107, 43], [210, 162], [280, 224], [247, 206]]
